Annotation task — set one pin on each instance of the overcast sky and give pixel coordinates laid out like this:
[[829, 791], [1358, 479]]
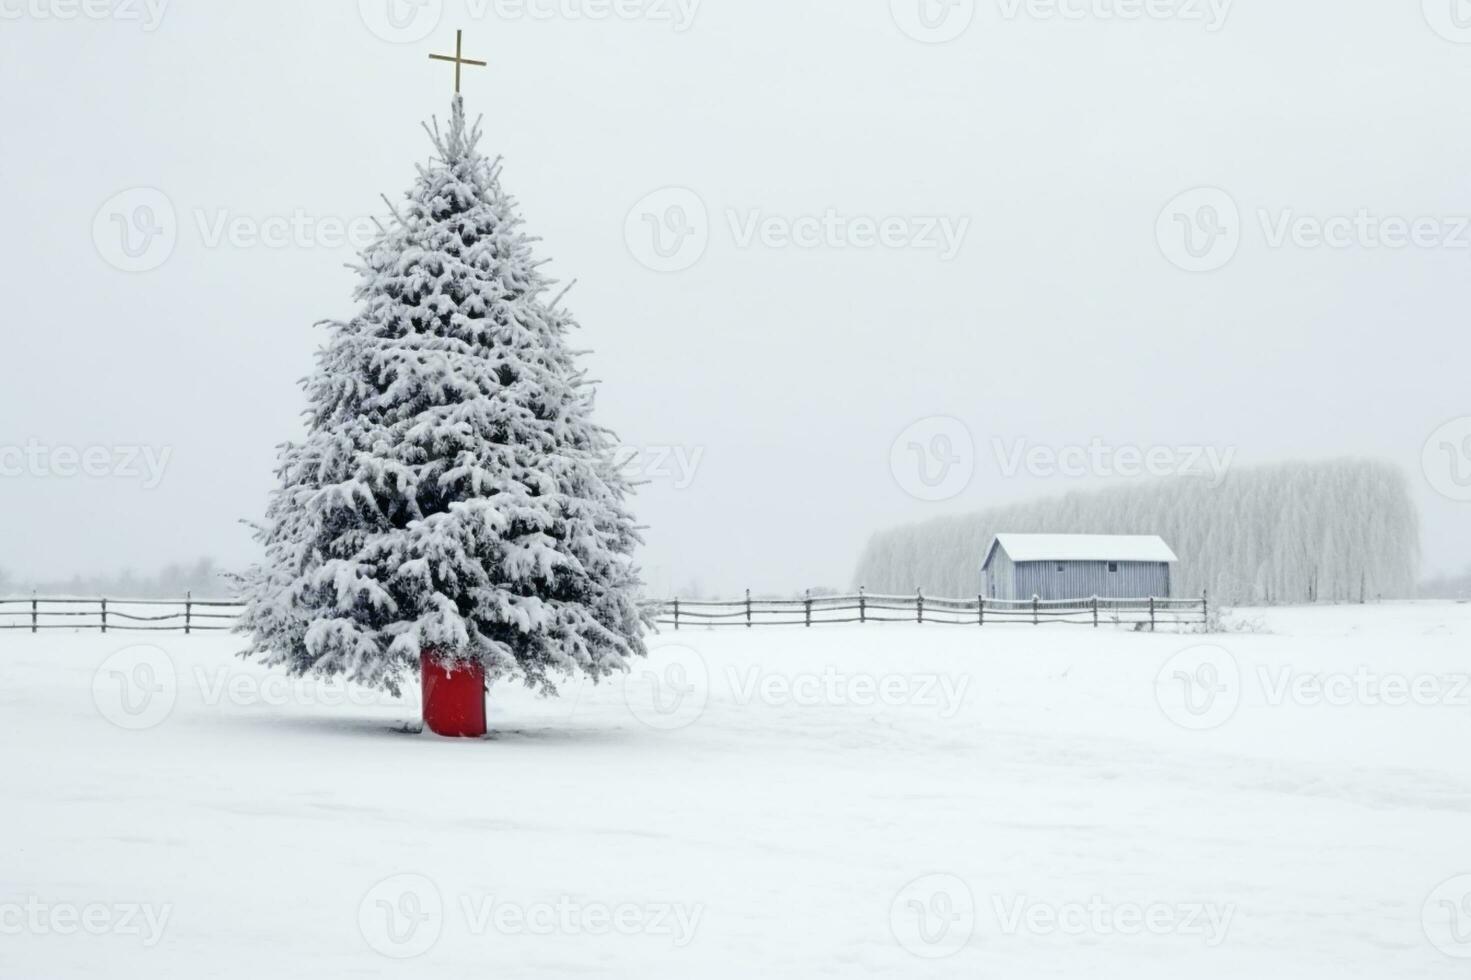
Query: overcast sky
[[803, 230]]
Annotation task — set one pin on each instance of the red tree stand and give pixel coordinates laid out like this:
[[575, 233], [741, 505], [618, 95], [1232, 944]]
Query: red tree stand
[[454, 697]]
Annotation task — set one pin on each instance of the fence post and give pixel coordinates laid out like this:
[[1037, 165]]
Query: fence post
[[34, 624], [862, 605], [676, 615], [1095, 612], [188, 611], [1205, 606], [748, 609], [807, 608], [1151, 614], [1036, 609], [104, 615], [919, 604], [980, 610]]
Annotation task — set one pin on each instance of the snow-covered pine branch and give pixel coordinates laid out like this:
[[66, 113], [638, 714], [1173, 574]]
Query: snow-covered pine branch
[[452, 493]]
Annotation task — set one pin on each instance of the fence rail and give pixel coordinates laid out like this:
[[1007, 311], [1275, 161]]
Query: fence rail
[[190, 615]]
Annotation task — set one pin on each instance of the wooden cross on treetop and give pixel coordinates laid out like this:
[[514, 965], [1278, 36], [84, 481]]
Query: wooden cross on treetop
[[457, 59]]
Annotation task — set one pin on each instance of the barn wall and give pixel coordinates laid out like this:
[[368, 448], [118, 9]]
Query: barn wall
[[997, 582], [1085, 579]]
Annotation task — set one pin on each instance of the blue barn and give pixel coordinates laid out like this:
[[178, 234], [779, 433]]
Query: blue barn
[[1077, 566]]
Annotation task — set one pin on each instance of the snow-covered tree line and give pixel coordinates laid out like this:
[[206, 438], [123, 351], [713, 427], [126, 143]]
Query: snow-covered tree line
[[1457, 586], [453, 494], [203, 578], [1302, 532]]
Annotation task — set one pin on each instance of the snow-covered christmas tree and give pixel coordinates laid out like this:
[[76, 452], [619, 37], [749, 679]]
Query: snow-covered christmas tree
[[453, 495]]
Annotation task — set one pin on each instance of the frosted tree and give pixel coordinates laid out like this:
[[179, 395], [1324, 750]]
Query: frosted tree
[[452, 493], [1337, 530]]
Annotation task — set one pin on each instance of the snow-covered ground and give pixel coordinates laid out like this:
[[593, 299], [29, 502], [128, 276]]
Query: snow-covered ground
[[896, 801]]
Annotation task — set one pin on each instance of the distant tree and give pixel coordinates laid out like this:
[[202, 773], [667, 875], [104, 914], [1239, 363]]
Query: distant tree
[[692, 590]]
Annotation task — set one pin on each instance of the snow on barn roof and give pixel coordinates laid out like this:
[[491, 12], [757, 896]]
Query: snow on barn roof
[[1082, 547]]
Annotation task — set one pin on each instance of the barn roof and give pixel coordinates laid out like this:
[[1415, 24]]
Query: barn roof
[[1082, 547]]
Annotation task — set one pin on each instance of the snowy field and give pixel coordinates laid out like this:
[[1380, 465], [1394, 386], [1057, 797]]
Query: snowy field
[[895, 801]]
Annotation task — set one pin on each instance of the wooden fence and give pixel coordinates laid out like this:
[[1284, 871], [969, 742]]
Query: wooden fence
[[919, 608], [189, 615]]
